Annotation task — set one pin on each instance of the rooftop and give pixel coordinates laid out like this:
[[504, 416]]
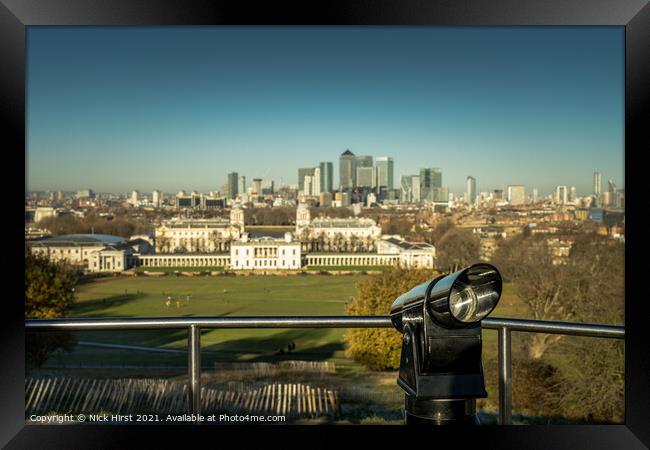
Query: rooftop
[[409, 245], [324, 222], [82, 239]]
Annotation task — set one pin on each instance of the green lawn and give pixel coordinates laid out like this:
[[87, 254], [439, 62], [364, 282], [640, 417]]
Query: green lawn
[[347, 268], [180, 269], [214, 296], [226, 296], [244, 296]]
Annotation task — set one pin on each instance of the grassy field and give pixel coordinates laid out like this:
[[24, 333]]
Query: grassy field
[[375, 393], [180, 269], [249, 296], [225, 296], [213, 296], [347, 268]]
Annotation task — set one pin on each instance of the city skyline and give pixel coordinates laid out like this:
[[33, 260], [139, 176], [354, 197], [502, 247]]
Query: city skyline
[[114, 109]]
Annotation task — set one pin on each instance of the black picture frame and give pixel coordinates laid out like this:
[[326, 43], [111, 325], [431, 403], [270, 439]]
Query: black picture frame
[[634, 15]]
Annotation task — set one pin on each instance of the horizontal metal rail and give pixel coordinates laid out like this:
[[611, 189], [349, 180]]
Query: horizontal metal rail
[[195, 324], [135, 323], [210, 322]]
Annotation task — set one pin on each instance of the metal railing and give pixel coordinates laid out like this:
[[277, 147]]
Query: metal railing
[[194, 325]]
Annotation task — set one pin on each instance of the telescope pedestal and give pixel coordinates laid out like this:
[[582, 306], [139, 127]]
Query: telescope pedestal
[[440, 412]]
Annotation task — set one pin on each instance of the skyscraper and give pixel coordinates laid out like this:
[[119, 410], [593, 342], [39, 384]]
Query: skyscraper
[[430, 183], [385, 172], [302, 173], [257, 186], [315, 189], [611, 187], [410, 188], [535, 195], [241, 186], [156, 198], [573, 194], [366, 177], [347, 170], [406, 188], [597, 184], [308, 184], [561, 195], [517, 194], [232, 186], [363, 161], [415, 189], [471, 190], [326, 177]]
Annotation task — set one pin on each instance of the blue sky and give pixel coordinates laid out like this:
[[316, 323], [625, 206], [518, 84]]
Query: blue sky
[[115, 108]]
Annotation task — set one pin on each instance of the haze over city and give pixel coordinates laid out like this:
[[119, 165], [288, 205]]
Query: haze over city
[[115, 109]]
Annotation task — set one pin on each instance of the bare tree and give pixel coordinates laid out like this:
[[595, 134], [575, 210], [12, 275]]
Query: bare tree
[[457, 248], [587, 287]]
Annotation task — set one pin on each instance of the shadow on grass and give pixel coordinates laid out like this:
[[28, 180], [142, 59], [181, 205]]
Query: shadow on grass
[[100, 305], [308, 344], [276, 347]]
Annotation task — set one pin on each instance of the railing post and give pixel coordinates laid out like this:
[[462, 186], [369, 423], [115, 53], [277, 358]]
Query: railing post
[[194, 369], [505, 377]]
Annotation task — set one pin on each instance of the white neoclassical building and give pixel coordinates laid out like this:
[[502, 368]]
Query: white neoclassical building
[[411, 254], [332, 228], [199, 235], [265, 253], [351, 259], [184, 260], [92, 252], [391, 251]]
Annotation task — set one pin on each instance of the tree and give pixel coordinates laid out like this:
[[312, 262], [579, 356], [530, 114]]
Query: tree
[[456, 248], [48, 294], [121, 225], [397, 225], [594, 383], [440, 229], [379, 348], [587, 287]]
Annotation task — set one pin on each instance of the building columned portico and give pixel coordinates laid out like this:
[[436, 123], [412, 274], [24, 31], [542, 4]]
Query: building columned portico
[[265, 253], [351, 259], [184, 260]]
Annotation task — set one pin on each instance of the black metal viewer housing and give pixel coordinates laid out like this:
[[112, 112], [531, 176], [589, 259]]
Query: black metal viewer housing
[[441, 368]]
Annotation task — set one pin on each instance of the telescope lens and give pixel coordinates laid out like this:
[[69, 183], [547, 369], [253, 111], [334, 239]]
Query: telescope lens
[[463, 302], [475, 294]]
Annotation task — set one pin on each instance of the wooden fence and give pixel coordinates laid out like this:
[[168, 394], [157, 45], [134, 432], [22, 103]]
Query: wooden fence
[[266, 368], [155, 396]]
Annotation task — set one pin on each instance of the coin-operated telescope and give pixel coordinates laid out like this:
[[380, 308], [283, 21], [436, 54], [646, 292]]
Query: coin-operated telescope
[[440, 367]]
